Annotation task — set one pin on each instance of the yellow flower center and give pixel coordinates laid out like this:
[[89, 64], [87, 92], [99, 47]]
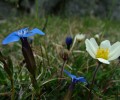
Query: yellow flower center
[[102, 53]]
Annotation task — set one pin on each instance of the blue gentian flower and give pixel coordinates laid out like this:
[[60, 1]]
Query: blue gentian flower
[[25, 32], [74, 78]]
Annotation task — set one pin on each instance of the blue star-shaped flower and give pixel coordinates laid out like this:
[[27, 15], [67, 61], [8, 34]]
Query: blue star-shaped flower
[[74, 78], [25, 32]]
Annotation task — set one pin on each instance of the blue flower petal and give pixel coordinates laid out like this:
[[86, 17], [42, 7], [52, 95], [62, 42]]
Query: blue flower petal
[[26, 28], [24, 32], [10, 38], [74, 78], [81, 79], [33, 32], [69, 74], [36, 30]]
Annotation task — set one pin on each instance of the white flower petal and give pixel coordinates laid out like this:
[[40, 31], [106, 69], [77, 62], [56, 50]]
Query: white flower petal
[[90, 48], [91, 53], [93, 41], [91, 45], [103, 61], [105, 44], [114, 51]]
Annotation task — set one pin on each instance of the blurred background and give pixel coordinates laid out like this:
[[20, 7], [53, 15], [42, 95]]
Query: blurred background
[[109, 9]]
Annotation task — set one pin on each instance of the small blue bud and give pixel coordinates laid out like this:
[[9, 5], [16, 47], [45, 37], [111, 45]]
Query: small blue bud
[[68, 42]]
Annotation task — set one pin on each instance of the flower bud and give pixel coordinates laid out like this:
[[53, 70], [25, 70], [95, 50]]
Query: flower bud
[[68, 42]]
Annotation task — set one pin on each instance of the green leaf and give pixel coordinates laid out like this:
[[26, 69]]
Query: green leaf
[[2, 76], [10, 65]]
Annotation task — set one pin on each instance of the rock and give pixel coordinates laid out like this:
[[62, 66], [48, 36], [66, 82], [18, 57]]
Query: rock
[[6, 10], [79, 7], [115, 14], [46, 7], [98, 8]]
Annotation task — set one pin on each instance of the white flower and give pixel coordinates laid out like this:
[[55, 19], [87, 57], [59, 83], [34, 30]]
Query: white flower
[[78, 37], [105, 52]]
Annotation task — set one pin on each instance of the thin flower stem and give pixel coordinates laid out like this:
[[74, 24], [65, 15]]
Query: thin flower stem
[[68, 95], [73, 45], [45, 24], [47, 58], [12, 88], [36, 5], [93, 79], [61, 72], [32, 98], [62, 68], [42, 54]]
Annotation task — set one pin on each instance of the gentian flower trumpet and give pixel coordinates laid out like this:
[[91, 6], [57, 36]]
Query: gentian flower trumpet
[[22, 33], [105, 52]]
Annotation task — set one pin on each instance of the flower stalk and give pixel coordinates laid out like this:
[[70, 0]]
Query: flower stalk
[[62, 69], [65, 57], [93, 79], [12, 89], [68, 95]]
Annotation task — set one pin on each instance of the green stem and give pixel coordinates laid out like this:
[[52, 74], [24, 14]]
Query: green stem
[[61, 73], [93, 79], [68, 95], [37, 7], [13, 90], [35, 86], [34, 83]]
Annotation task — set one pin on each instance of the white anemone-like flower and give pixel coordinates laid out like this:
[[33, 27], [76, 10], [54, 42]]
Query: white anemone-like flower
[[78, 37], [105, 52]]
